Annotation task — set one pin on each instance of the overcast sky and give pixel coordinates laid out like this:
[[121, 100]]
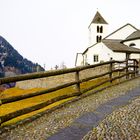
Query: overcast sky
[[52, 31]]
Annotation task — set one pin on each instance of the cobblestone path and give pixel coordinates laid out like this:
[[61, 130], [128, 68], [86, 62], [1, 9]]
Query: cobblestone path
[[122, 124], [83, 124]]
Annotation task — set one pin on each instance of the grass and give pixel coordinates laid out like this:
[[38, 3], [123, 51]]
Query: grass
[[17, 119], [10, 107], [17, 91], [14, 106]]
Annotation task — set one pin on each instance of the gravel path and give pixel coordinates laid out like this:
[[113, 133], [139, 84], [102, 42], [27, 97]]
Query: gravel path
[[122, 124], [49, 124]]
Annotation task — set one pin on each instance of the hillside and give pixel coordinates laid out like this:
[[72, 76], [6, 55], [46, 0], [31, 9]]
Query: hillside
[[12, 62]]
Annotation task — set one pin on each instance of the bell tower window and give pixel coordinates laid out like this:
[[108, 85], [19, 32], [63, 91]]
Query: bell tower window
[[101, 29], [98, 38], [98, 29]]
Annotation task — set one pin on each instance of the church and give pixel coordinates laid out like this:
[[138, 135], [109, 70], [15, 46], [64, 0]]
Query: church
[[123, 43]]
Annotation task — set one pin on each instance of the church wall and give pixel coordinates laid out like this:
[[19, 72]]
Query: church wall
[[104, 54], [119, 56], [137, 45], [136, 42]]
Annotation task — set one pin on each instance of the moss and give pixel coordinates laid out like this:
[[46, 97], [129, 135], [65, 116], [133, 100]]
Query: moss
[[17, 91], [12, 121], [14, 106]]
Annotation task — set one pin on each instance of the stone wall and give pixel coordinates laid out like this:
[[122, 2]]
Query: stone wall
[[54, 81]]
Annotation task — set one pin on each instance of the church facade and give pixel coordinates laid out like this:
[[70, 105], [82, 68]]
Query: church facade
[[119, 45]]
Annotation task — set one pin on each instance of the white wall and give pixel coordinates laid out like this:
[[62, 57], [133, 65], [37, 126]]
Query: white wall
[[104, 54], [135, 56], [122, 33], [79, 59], [137, 43]]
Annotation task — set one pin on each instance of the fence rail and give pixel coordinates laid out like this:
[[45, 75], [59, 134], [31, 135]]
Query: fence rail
[[125, 67]]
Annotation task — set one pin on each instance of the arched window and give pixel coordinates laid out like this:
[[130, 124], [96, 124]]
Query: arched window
[[132, 44], [101, 29], [98, 38], [98, 29]]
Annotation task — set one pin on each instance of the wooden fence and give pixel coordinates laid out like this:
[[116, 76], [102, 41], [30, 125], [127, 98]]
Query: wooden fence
[[124, 68]]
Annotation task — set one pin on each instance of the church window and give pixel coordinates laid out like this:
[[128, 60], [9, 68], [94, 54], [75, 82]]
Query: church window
[[132, 44], [101, 29], [95, 58], [98, 29], [98, 38]]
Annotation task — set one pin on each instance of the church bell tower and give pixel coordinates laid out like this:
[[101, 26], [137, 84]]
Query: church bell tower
[[97, 29]]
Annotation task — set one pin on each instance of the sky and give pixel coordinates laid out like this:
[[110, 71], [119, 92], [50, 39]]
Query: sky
[[51, 32]]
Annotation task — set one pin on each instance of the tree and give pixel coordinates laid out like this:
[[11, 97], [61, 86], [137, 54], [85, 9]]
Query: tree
[[62, 65]]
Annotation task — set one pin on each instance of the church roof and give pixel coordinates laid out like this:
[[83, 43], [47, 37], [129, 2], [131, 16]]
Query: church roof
[[128, 24], [133, 36], [98, 19], [117, 46]]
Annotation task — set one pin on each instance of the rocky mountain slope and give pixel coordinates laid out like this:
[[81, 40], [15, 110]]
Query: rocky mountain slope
[[12, 62]]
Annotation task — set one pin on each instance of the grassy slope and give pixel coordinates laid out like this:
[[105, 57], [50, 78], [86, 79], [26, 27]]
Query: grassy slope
[[11, 107]]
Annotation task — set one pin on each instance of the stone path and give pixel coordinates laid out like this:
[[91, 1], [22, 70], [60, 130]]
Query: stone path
[[82, 125], [121, 124]]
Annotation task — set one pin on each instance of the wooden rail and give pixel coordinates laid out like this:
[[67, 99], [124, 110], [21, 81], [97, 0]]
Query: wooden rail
[[126, 71]]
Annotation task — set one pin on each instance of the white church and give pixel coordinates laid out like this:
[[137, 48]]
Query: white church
[[121, 44]]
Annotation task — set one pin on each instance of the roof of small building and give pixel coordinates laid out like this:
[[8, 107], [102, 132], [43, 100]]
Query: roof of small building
[[135, 35], [98, 19], [117, 46]]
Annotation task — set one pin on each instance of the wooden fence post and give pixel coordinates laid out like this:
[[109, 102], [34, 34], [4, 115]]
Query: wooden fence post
[[127, 76], [110, 70], [134, 63], [136, 67], [77, 80]]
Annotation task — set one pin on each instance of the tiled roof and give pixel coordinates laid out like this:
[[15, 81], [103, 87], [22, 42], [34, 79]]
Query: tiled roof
[[98, 19], [117, 46]]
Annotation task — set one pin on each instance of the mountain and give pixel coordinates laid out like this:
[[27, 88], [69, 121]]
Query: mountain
[[12, 62]]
